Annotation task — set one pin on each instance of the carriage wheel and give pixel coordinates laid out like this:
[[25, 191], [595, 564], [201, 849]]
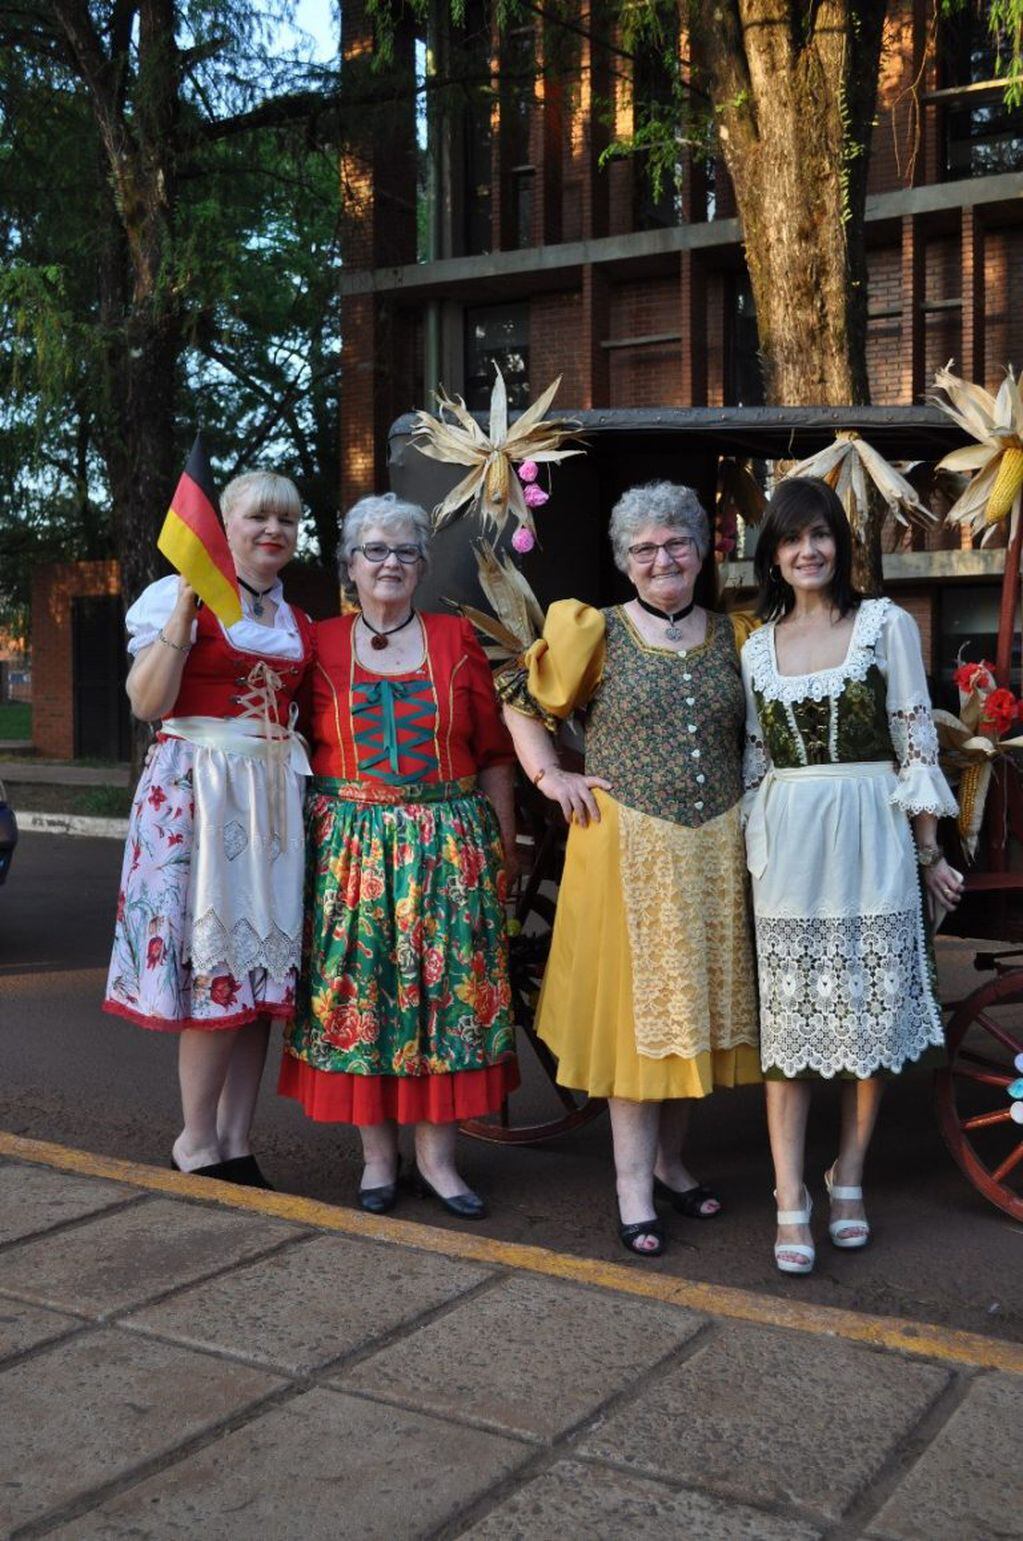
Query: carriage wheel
[[984, 1036], [540, 1109]]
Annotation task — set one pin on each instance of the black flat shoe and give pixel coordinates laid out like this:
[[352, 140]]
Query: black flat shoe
[[467, 1206], [689, 1201], [628, 1235], [243, 1170], [381, 1200]]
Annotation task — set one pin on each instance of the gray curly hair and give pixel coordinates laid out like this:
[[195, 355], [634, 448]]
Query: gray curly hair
[[665, 503], [387, 512]]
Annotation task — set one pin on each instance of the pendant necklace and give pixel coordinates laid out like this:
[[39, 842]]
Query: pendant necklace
[[379, 641], [673, 634], [258, 596]]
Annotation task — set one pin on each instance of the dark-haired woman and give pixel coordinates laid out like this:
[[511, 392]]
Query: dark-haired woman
[[842, 778]]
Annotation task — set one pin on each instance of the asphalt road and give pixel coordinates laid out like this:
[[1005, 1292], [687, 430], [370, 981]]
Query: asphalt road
[[74, 1075]]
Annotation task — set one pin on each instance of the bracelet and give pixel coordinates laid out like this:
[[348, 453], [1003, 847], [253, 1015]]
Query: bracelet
[[928, 855], [179, 647], [541, 773]]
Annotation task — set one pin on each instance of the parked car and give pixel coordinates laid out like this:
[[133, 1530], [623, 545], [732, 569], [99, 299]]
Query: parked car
[[8, 833]]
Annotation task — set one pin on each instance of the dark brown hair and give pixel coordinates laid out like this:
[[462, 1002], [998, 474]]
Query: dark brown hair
[[797, 502]]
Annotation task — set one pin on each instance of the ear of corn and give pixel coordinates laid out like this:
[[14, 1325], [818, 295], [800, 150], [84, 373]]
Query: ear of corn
[[1007, 484], [497, 480], [969, 786]]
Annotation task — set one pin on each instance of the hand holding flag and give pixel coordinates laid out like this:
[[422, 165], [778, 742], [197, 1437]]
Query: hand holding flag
[[193, 538]]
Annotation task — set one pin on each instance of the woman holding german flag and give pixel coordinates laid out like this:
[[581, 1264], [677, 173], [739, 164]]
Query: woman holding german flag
[[209, 913]]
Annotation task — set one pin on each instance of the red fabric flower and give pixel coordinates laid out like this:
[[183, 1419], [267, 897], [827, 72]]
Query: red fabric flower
[[1000, 710], [433, 965], [156, 951], [120, 905], [224, 991], [176, 839], [974, 676], [157, 796]]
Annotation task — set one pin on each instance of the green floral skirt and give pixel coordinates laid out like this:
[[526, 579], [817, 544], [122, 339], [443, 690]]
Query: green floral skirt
[[405, 965]]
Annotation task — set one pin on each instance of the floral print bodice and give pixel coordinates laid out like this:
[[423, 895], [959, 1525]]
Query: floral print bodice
[[872, 706]]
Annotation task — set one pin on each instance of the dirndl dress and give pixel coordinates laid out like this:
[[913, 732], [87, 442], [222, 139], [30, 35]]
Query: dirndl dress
[[649, 991], [209, 912], [404, 1004], [837, 762]]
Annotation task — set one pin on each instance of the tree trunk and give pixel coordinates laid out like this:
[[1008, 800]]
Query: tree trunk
[[794, 88]]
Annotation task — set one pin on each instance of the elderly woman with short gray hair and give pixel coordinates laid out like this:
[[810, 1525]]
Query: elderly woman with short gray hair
[[649, 995], [404, 1006]]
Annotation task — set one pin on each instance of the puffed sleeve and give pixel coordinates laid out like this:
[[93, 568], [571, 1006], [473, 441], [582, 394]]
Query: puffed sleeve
[[755, 760], [562, 669], [151, 612], [491, 741], [922, 787]]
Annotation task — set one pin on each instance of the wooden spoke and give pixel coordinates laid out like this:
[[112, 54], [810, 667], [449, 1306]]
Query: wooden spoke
[[1014, 1045], [982, 1077], [987, 1120], [1010, 1164]]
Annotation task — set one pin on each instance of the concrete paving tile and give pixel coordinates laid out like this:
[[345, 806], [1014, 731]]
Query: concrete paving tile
[[531, 1356], [123, 1259], [322, 1467], [90, 1410], [33, 1198], [579, 1502], [23, 1327], [772, 1416], [307, 1305], [969, 1482]]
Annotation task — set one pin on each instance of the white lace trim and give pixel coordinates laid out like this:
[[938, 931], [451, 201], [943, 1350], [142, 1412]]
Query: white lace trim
[[847, 994], [922, 786], [791, 688], [211, 945]]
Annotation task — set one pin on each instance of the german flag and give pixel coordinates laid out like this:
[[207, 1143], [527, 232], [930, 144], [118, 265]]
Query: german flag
[[193, 539]]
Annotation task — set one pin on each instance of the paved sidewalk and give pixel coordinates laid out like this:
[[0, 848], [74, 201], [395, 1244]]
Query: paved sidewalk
[[180, 1358], [63, 773]]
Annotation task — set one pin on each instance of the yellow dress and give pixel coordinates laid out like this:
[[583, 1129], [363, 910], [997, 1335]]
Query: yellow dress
[[649, 991]]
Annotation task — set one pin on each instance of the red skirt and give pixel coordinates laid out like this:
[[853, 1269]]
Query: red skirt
[[335, 1097]]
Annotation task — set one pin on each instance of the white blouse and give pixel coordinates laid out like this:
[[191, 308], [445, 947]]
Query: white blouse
[[154, 606]]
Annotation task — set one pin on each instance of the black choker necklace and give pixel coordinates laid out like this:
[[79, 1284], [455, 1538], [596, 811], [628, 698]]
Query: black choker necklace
[[673, 634], [258, 595], [379, 641]]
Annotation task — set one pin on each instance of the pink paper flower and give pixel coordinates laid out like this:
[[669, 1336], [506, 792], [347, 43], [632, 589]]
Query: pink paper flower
[[534, 496], [523, 540], [528, 471]]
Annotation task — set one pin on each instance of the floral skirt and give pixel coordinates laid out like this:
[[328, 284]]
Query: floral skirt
[[152, 981], [404, 1004]]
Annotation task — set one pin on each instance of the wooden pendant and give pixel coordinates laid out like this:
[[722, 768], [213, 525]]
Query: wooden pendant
[[378, 642]]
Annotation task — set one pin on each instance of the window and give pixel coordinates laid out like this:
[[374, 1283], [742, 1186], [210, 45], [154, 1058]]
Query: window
[[745, 378], [982, 135], [497, 334]]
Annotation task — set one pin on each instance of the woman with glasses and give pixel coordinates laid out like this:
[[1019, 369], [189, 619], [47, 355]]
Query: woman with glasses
[[404, 1007], [649, 996]]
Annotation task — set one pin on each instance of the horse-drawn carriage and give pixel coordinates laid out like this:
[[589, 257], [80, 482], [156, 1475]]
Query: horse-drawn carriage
[[979, 1116]]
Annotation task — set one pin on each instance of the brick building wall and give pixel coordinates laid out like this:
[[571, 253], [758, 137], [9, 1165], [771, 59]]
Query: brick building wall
[[54, 588]]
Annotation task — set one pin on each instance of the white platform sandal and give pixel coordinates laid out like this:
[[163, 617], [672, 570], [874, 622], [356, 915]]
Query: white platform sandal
[[802, 1253], [845, 1233]]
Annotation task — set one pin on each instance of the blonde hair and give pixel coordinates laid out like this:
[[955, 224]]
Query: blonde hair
[[269, 492]]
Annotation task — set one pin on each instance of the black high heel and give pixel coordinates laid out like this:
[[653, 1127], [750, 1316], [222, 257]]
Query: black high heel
[[381, 1200], [467, 1206]]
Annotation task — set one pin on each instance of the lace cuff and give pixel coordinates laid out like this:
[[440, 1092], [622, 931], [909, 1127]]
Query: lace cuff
[[922, 787], [754, 762], [510, 682]]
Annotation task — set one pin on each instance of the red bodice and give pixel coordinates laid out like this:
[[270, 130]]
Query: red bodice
[[438, 723], [217, 672]]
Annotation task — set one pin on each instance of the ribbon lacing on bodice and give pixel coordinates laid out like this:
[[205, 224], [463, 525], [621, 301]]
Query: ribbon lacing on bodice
[[259, 705]]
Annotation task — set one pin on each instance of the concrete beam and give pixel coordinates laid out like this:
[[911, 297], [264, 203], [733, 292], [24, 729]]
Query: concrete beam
[[566, 260]]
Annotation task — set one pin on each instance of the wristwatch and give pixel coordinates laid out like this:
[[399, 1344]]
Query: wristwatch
[[928, 855]]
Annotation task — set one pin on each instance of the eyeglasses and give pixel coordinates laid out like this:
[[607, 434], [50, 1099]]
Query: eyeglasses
[[376, 552], [678, 547]]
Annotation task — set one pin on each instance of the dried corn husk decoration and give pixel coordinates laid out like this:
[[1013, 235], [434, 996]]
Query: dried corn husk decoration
[[519, 616], [995, 491], [491, 485], [848, 465], [740, 495], [969, 746]]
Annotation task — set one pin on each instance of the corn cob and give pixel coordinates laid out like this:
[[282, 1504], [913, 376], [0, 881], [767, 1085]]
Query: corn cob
[[497, 480], [1007, 484], [969, 784]]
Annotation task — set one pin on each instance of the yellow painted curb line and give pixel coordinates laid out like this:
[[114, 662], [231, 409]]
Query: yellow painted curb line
[[886, 1332]]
